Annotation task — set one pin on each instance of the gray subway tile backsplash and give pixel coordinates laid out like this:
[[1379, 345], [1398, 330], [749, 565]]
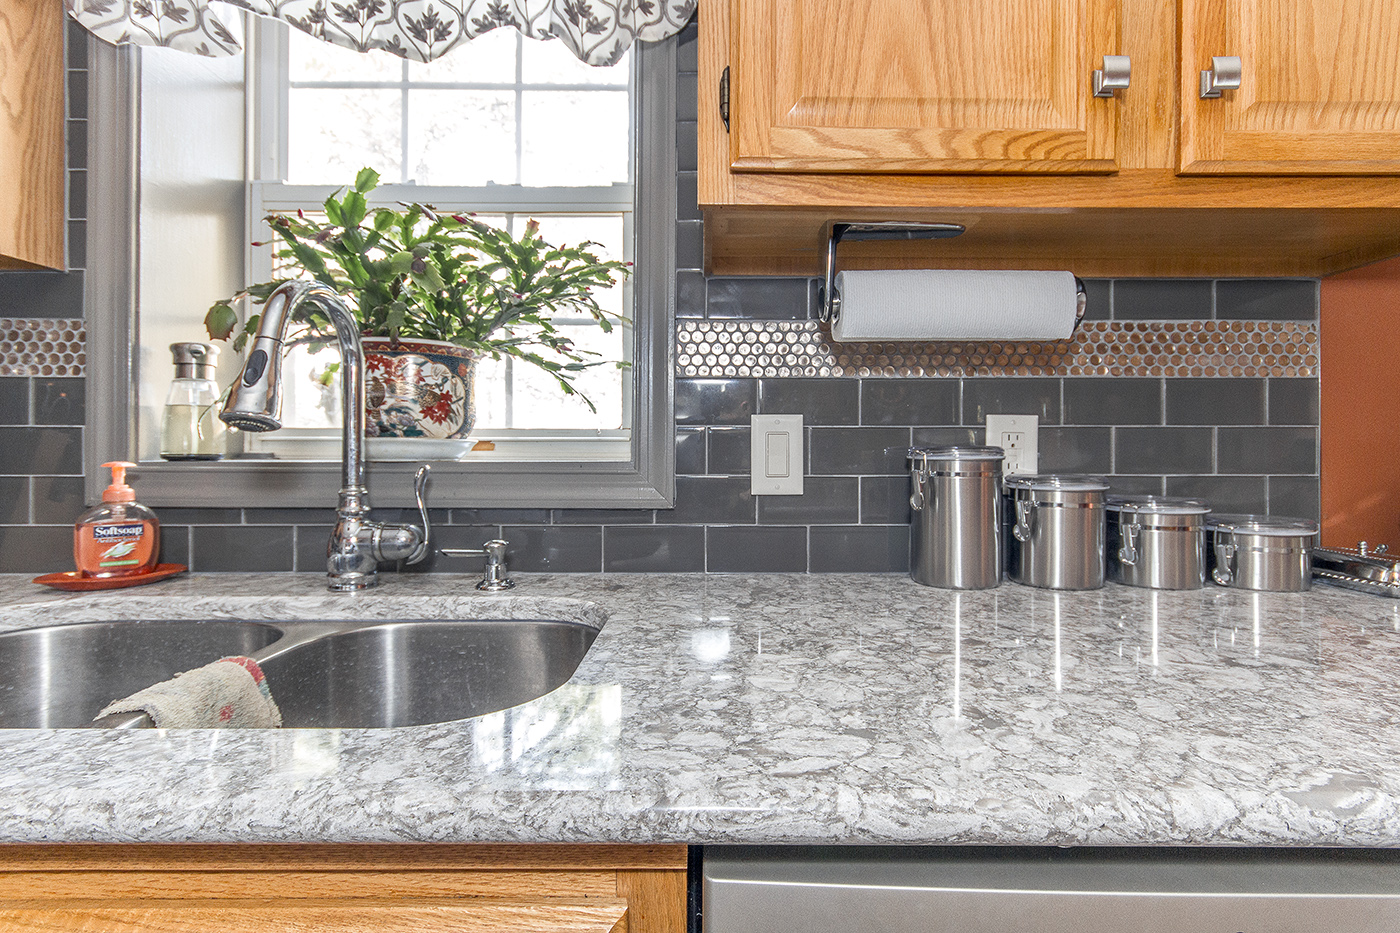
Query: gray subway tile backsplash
[[859, 549], [825, 500], [884, 500], [1017, 396], [1162, 299], [1163, 450], [654, 549], [858, 451], [757, 549], [690, 451], [45, 450], [716, 401], [1076, 450], [1268, 450], [554, 549], [818, 401], [909, 401], [1266, 299], [1216, 401], [14, 401], [1294, 401], [757, 299], [1246, 444], [1112, 401], [710, 500], [729, 451]]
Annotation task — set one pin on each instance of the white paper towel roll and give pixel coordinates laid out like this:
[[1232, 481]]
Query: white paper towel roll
[[953, 304]]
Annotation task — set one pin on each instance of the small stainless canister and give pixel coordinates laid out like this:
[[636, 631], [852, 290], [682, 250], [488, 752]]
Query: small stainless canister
[[1157, 543], [1057, 531], [1261, 552], [956, 529]]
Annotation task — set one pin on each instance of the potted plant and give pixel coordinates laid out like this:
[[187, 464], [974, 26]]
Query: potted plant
[[434, 293]]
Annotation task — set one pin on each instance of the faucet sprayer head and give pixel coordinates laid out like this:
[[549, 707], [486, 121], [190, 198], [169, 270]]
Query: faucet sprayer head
[[255, 399]]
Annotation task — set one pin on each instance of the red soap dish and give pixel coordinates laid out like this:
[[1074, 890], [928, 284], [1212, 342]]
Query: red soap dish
[[73, 580]]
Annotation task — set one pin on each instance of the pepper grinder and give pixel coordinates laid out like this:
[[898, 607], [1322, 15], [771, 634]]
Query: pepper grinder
[[191, 429]]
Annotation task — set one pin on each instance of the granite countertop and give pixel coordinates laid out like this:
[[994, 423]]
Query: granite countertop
[[781, 708]]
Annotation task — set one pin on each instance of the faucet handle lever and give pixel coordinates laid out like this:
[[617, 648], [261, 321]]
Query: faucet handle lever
[[420, 493]]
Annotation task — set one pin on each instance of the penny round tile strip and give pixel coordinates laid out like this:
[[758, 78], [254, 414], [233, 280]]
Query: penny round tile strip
[[1172, 349], [42, 347]]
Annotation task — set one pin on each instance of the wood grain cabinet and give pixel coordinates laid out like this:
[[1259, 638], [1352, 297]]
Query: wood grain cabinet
[[982, 112], [32, 163], [926, 85], [343, 889], [1319, 87]]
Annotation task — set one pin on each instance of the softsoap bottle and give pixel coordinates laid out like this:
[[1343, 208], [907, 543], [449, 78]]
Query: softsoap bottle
[[120, 537]]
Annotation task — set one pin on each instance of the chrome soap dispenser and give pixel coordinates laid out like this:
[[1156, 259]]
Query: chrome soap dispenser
[[191, 429]]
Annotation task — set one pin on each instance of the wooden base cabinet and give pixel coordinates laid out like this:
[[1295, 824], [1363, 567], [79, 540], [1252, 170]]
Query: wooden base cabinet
[[343, 888], [982, 112]]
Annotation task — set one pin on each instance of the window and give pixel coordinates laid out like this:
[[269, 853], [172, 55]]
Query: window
[[549, 139]]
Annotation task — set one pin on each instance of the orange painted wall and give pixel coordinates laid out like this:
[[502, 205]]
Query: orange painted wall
[[1360, 334]]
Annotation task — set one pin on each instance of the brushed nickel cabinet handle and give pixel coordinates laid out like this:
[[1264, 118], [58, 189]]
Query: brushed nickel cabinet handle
[[1225, 75], [1116, 73]]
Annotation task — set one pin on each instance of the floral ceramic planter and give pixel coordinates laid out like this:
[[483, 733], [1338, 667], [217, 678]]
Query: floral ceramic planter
[[418, 388]]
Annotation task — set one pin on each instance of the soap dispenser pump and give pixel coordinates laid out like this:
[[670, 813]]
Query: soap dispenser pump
[[120, 537]]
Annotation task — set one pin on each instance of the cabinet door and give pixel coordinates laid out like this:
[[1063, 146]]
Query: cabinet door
[[31, 135], [1319, 90], [921, 85]]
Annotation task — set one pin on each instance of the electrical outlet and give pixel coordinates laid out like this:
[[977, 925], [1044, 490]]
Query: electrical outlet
[[1018, 435]]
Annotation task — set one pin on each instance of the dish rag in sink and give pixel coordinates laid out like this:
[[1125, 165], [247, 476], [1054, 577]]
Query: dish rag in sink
[[230, 693]]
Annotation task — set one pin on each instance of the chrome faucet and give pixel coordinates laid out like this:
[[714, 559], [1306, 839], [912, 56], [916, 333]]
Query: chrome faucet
[[357, 545]]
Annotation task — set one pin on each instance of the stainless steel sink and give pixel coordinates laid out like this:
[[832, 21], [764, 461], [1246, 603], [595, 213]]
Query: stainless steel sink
[[60, 677], [412, 673], [322, 674]]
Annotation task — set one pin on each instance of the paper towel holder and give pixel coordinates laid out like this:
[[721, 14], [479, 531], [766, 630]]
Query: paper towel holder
[[829, 299]]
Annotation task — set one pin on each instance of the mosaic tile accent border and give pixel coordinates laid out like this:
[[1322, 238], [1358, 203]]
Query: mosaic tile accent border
[[738, 349], [42, 347]]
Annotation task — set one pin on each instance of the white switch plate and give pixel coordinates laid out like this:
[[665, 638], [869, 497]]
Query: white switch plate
[[775, 455], [1018, 435]]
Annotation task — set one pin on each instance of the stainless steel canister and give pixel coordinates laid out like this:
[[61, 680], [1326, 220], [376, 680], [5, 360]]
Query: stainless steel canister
[[956, 530], [1057, 531], [1156, 542], [1261, 552]]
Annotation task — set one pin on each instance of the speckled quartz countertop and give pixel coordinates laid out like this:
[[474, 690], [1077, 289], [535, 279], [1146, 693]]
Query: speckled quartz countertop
[[782, 708]]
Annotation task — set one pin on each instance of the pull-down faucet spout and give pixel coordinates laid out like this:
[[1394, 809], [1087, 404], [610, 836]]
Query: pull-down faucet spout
[[357, 545]]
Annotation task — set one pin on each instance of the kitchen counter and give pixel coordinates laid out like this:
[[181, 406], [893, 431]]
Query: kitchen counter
[[781, 708]]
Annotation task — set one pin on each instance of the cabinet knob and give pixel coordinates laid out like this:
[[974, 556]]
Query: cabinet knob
[[1223, 76], [1115, 74]]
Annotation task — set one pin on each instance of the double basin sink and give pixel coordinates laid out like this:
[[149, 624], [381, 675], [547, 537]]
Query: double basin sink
[[321, 674]]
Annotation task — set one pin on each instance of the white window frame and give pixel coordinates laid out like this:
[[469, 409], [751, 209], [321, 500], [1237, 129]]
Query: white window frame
[[644, 478]]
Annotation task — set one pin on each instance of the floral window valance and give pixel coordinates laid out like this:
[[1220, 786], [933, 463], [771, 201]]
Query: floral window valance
[[597, 31]]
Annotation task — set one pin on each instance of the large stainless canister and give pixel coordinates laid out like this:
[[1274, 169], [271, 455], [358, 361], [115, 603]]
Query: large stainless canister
[[1057, 531], [956, 529], [1261, 552], [1156, 542]]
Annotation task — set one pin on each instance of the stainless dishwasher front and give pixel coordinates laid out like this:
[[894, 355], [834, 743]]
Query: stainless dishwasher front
[[860, 889]]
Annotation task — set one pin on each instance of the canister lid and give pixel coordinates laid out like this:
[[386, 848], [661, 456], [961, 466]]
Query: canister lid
[[1156, 505], [956, 453], [1045, 482], [1271, 525]]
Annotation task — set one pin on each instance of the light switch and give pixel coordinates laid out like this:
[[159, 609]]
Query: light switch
[[775, 455]]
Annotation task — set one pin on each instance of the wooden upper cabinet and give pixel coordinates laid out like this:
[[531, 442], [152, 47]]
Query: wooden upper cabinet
[[1319, 91], [921, 86], [32, 225]]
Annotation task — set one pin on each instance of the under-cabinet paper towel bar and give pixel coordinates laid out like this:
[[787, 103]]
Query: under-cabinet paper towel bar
[[1048, 305]]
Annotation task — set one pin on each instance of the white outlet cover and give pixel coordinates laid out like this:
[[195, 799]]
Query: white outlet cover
[[1022, 447]]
